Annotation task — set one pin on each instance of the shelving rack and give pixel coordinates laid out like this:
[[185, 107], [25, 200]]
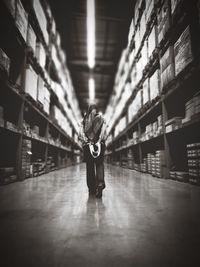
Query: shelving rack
[[163, 151], [33, 141]]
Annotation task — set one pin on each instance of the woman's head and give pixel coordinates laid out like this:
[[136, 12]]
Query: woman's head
[[92, 109]]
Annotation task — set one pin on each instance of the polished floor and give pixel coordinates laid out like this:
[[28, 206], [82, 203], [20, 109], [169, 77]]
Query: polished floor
[[140, 221]]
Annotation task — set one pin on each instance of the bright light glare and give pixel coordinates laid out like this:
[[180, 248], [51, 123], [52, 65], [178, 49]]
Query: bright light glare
[[91, 33], [91, 89]]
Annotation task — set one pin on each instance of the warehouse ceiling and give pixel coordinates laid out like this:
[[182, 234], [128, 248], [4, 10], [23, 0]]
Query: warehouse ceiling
[[112, 23]]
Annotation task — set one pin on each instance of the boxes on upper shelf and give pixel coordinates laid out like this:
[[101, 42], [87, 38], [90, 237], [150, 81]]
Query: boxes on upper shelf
[[142, 26], [154, 85], [137, 10], [167, 67], [183, 51], [174, 4], [4, 62], [144, 55], [31, 38], [11, 5], [46, 100], [145, 97], [41, 18], [192, 107], [40, 90], [150, 7], [21, 20], [152, 41], [163, 20], [173, 124], [131, 31], [41, 54], [31, 82]]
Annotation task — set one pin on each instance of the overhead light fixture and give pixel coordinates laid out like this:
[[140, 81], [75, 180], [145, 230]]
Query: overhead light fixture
[[91, 86], [91, 33]]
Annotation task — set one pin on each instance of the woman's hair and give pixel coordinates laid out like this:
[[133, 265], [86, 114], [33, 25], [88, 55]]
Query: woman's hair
[[91, 107]]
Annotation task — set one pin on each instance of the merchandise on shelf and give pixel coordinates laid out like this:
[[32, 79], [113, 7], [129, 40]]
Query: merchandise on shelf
[[21, 20], [183, 51], [145, 97], [173, 124], [163, 20], [11, 5], [192, 107], [167, 67], [137, 40], [174, 4], [131, 31], [46, 100], [38, 167], [154, 85], [26, 157], [4, 62], [137, 10], [31, 38], [193, 155], [41, 18], [144, 55], [152, 41], [142, 26], [160, 163], [40, 90], [150, 7], [41, 54], [31, 79]]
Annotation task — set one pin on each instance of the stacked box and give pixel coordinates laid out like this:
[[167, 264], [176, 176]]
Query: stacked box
[[31, 38], [150, 7], [160, 163], [145, 98], [40, 91], [131, 31], [42, 21], [196, 104], [172, 175], [163, 20], [149, 162], [154, 85], [193, 155], [174, 4], [153, 165], [137, 10], [167, 67], [136, 167], [46, 104], [31, 79], [173, 124], [26, 157], [39, 167], [41, 54], [11, 5], [137, 40], [142, 26], [182, 176], [21, 19], [152, 41], [183, 51], [144, 55], [4, 62], [144, 165]]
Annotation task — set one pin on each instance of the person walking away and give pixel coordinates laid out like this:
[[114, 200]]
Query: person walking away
[[92, 135]]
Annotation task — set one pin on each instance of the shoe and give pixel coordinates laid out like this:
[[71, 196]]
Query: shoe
[[99, 192]]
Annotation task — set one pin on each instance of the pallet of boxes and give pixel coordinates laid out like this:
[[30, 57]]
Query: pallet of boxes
[[193, 156]]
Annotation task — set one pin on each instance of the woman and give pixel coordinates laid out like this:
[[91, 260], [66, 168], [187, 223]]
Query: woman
[[92, 135]]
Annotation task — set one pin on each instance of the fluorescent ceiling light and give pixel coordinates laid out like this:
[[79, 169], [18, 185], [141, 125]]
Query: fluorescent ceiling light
[[91, 85], [91, 33]]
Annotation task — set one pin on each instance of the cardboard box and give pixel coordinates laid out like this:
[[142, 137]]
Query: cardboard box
[[31, 80], [21, 20], [40, 90], [183, 51], [41, 55], [144, 55], [31, 38], [167, 75], [142, 26], [146, 96], [4, 62], [152, 41], [42, 21], [150, 7], [154, 85], [163, 20]]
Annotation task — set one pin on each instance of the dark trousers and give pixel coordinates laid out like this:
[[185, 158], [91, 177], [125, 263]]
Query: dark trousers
[[94, 169]]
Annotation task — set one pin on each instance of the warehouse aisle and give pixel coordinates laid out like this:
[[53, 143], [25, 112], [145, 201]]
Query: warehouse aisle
[[141, 221]]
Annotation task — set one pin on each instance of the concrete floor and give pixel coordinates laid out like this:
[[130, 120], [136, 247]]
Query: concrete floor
[[141, 221]]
